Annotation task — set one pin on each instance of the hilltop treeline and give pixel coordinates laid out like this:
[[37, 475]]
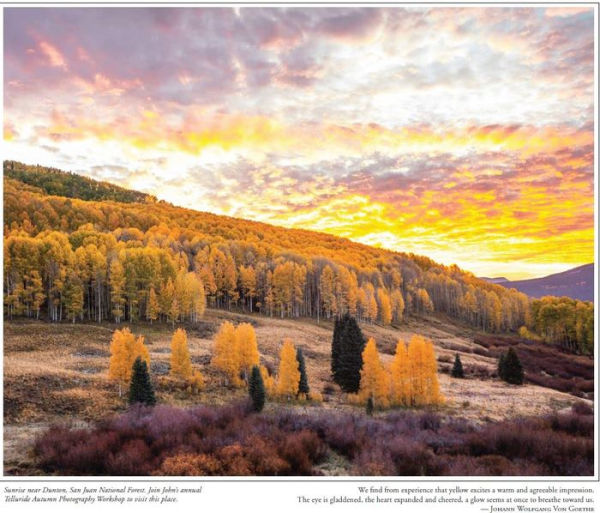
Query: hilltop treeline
[[70, 185], [69, 258]]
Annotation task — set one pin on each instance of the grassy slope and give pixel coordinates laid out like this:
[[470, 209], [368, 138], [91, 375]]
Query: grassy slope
[[58, 372]]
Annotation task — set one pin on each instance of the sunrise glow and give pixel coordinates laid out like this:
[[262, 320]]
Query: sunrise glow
[[463, 134]]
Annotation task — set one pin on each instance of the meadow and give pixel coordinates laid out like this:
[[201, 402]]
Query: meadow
[[56, 380]]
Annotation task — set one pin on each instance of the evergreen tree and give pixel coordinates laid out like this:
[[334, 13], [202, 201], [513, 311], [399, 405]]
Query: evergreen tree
[[303, 387], [347, 347], [457, 369], [370, 406], [140, 390], [257, 389], [335, 347], [502, 367], [512, 368]]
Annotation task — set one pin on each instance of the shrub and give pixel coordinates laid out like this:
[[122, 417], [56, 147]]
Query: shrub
[[218, 441]]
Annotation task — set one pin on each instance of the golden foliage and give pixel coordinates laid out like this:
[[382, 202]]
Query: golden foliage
[[288, 376], [124, 349], [181, 365], [246, 348], [225, 356], [374, 380]]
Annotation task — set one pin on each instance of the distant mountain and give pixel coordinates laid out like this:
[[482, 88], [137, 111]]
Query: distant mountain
[[577, 283], [498, 281]]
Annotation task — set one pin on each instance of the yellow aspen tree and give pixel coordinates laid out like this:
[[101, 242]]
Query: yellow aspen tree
[[246, 348], [385, 307], [288, 377], [397, 302], [225, 354], [183, 293], [124, 349], [247, 278], [198, 298], [372, 312], [166, 296], [432, 386], [117, 286], [374, 379], [181, 365], [417, 369], [423, 369], [152, 308], [362, 303], [327, 291], [173, 312], [268, 380], [401, 382]]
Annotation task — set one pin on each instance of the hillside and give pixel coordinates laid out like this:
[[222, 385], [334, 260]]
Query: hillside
[[576, 283], [70, 185], [78, 259]]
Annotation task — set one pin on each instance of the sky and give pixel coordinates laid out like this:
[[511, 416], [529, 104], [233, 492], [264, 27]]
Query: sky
[[462, 134]]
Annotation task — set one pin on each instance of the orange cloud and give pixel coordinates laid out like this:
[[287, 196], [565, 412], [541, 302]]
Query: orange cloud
[[55, 58]]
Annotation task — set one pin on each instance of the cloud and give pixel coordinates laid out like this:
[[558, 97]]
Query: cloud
[[461, 133]]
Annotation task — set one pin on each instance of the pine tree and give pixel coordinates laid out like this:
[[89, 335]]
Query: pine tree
[[457, 369], [374, 380], [124, 349], [256, 389], [141, 390], [513, 370], [181, 365], [347, 347], [303, 387], [370, 406], [502, 366], [336, 347], [288, 377]]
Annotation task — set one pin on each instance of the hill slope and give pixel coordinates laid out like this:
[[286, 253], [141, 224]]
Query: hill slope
[[576, 283], [126, 260], [70, 185]]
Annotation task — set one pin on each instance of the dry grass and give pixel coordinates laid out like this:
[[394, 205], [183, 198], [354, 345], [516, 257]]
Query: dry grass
[[59, 372]]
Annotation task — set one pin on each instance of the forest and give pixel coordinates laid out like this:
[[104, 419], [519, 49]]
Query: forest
[[76, 249]]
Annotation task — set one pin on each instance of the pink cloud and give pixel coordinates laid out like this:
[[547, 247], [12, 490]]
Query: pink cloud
[[55, 58]]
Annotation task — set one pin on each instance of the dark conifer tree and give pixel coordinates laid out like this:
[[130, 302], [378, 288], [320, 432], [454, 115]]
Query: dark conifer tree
[[457, 369], [513, 370], [303, 387], [140, 389], [370, 406], [347, 346], [502, 366], [335, 347], [256, 389]]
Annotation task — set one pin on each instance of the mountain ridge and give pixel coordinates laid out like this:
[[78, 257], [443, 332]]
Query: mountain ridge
[[576, 283]]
